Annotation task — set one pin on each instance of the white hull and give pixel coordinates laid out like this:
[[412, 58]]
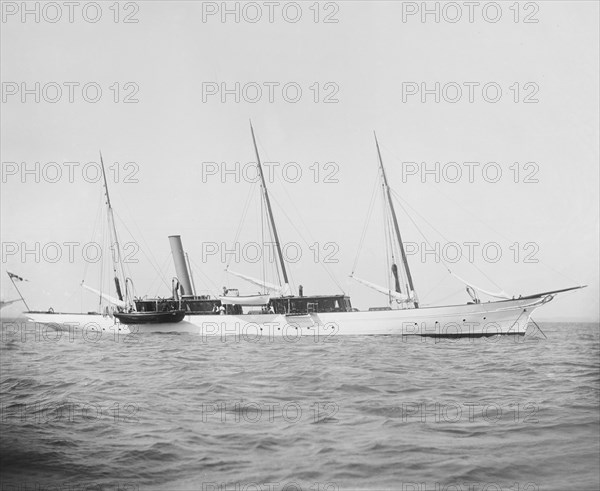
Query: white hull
[[470, 320]]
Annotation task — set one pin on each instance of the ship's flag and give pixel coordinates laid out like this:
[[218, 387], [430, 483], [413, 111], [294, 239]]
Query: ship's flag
[[15, 277]]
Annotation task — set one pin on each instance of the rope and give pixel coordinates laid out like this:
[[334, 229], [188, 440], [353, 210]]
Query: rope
[[201, 273], [435, 287], [388, 244], [299, 215], [152, 260], [366, 225], [105, 245], [538, 327], [262, 236], [323, 265], [276, 267], [400, 200], [251, 194], [162, 269], [94, 230], [486, 224], [300, 219]]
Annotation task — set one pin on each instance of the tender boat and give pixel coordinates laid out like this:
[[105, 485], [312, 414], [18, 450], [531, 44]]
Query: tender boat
[[170, 317]]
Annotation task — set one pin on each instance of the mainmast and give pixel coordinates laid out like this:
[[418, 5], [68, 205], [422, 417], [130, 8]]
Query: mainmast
[[270, 212], [117, 264], [396, 228]]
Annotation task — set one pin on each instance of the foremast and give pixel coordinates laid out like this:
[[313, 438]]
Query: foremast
[[411, 294], [117, 264]]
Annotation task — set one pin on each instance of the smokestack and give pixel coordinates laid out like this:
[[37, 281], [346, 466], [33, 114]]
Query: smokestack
[[181, 269]]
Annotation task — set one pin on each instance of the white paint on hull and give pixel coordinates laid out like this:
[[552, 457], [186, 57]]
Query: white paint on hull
[[483, 319]]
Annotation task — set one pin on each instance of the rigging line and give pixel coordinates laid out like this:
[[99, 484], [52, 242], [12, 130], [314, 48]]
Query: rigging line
[[152, 260], [271, 263], [446, 297], [251, 194], [94, 230], [487, 225], [538, 327], [275, 269], [101, 241], [275, 266], [298, 214], [447, 240], [262, 238], [436, 286], [389, 224], [400, 200], [160, 276], [150, 255], [311, 237], [374, 195], [327, 270], [203, 275], [73, 293], [282, 210], [103, 266], [292, 203], [387, 242], [396, 253]]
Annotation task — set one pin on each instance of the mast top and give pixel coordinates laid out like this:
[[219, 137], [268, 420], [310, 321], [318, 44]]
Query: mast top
[[385, 181], [105, 182]]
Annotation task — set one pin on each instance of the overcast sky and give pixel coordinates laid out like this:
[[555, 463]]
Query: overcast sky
[[511, 91]]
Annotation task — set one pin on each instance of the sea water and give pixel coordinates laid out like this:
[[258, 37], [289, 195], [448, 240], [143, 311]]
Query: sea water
[[183, 412]]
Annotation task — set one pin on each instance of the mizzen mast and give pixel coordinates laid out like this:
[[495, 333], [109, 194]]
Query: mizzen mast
[[397, 231]]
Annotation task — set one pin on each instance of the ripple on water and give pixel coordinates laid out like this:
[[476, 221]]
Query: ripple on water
[[176, 411]]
